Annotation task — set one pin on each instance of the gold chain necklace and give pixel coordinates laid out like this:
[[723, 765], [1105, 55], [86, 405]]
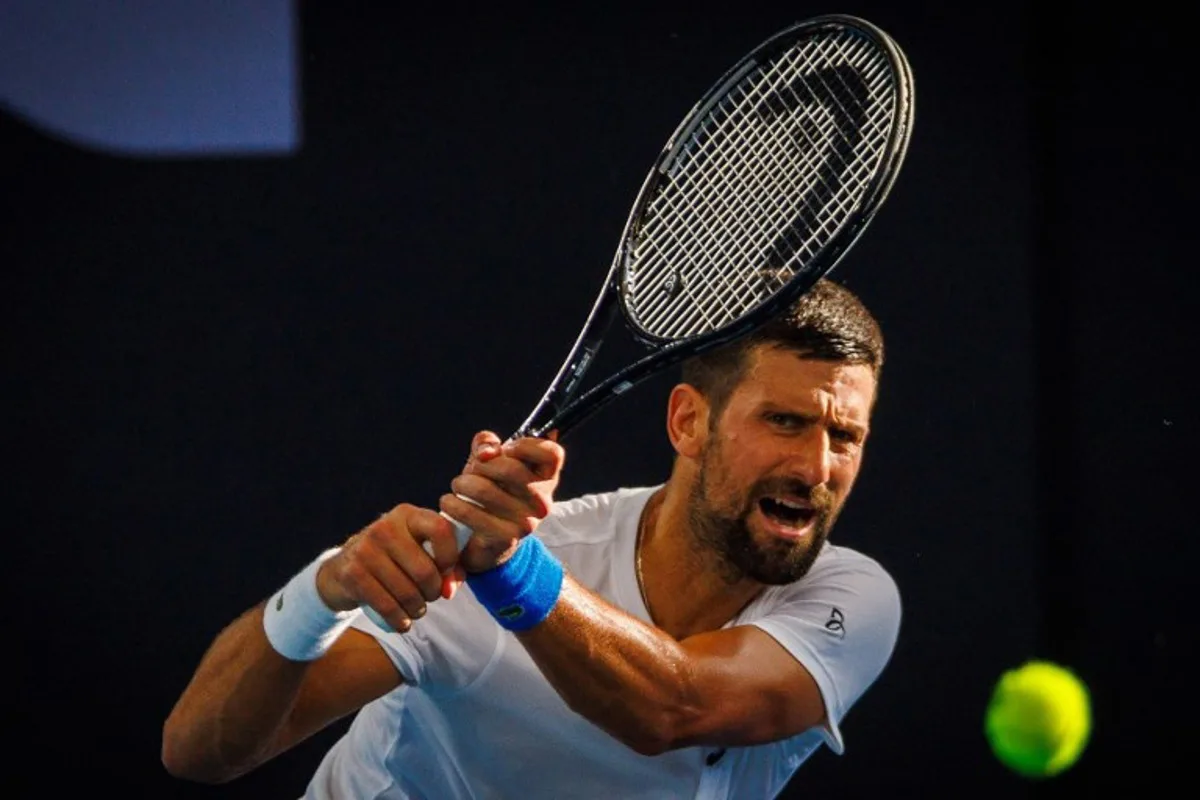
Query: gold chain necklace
[[637, 555]]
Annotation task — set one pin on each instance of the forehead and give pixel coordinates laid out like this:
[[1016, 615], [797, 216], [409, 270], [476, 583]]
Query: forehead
[[786, 378]]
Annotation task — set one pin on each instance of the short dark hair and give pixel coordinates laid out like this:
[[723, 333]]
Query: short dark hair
[[828, 322]]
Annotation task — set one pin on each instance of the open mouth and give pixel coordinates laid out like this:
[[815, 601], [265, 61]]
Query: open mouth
[[786, 512]]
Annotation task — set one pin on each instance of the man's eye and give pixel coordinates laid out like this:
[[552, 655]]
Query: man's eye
[[843, 436]]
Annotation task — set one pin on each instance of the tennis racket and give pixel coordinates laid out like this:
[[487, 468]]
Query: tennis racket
[[760, 191]]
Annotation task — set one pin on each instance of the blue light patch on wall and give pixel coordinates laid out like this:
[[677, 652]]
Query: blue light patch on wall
[[155, 78]]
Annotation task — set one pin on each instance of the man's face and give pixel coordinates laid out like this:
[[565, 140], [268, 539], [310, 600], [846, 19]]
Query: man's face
[[779, 463]]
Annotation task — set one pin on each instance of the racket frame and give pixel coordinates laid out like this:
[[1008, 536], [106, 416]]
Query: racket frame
[[559, 410]]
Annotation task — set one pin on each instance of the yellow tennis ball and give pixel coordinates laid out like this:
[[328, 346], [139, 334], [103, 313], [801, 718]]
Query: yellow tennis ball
[[1039, 719]]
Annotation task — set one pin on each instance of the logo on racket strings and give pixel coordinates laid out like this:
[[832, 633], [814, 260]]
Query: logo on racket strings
[[847, 109]]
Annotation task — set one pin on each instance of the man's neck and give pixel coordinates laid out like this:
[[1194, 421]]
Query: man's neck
[[681, 580]]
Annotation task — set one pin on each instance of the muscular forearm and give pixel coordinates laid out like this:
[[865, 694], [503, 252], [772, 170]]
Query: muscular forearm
[[629, 678], [230, 716]]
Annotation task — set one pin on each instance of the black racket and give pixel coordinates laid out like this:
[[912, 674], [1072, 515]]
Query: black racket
[[761, 190]]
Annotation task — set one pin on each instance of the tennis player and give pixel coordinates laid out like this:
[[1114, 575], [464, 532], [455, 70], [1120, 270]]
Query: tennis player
[[697, 638]]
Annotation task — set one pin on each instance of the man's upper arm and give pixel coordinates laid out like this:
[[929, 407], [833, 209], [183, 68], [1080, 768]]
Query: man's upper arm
[[748, 690], [803, 664], [355, 671]]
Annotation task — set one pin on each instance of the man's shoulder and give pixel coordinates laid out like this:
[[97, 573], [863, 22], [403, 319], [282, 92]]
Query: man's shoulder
[[846, 594], [839, 557], [599, 502], [840, 567], [593, 515]]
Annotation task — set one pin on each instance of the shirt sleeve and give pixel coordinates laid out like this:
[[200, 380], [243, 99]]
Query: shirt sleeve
[[446, 650], [841, 622]]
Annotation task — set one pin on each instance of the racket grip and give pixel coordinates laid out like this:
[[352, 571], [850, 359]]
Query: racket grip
[[462, 535]]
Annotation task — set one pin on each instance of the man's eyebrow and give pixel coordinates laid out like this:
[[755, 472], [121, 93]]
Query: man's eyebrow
[[809, 416]]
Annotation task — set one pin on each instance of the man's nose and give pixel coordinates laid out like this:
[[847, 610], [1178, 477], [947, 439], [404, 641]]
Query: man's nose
[[810, 460]]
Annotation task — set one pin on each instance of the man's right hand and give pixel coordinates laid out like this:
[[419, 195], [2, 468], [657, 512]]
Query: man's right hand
[[386, 567], [503, 492]]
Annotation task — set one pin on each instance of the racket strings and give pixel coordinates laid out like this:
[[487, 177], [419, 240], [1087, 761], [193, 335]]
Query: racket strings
[[762, 183], [722, 294]]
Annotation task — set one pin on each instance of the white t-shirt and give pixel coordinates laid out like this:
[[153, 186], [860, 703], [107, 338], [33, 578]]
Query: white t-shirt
[[476, 719]]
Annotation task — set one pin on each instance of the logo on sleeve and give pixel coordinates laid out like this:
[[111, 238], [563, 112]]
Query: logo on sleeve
[[836, 624]]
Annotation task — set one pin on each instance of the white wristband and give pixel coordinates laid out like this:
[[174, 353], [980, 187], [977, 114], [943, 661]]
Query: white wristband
[[297, 622]]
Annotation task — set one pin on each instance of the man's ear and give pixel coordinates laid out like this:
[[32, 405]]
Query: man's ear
[[687, 420]]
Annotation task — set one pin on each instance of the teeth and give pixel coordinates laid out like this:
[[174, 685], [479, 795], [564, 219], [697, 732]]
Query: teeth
[[789, 504]]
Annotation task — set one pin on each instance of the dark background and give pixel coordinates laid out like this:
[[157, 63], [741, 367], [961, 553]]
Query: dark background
[[216, 367]]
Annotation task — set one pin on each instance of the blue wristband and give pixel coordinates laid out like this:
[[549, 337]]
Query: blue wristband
[[520, 592]]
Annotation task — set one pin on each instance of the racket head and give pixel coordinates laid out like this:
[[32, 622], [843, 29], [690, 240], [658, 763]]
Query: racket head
[[766, 183]]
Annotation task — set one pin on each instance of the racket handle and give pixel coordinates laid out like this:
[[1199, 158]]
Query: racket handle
[[461, 533]]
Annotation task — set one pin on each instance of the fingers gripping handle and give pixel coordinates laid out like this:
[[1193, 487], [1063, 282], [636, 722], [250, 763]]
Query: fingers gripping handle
[[462, 535]]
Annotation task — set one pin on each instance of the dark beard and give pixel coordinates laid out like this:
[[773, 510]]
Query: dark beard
[[726, 534]]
